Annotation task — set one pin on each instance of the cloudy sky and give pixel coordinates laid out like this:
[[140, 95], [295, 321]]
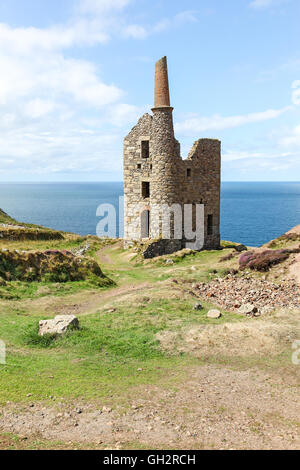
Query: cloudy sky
[[76, 74]]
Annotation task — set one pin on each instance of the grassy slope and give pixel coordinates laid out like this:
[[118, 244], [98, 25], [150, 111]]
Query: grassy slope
[[6, 219], [116, 349], [106, 353]]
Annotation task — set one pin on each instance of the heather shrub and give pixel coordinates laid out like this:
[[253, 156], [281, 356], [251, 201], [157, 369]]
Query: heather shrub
[[245, 258], [264, 260]]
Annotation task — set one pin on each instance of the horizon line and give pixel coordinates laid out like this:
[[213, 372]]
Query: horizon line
[[120, 181]]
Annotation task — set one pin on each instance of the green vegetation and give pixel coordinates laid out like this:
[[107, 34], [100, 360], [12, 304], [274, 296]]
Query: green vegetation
[[105, 354], [51, 266], [15, 234], [6, 219], [116, 347], [284, 241], [18, 290]]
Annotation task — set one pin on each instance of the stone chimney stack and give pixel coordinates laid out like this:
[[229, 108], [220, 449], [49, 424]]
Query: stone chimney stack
[[162, 94]]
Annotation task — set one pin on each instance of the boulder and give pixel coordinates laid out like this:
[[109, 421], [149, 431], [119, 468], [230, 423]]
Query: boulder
[[240, 248], [198, 306], [214, 314], [169, 261], [247, 309], [58, 325]]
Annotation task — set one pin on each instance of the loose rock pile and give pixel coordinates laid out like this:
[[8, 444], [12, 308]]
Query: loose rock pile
[[232, 293]]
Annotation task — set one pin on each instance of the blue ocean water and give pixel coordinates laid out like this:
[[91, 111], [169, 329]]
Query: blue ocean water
[[252, 213]]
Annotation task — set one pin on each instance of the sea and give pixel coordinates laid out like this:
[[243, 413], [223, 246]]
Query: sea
[[251, 213]]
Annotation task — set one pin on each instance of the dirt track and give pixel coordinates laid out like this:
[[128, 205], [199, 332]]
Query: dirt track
[[213, 408]]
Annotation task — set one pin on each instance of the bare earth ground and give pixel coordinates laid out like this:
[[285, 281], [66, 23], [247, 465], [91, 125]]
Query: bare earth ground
[[215, 407], [237, 394], [295, 268]]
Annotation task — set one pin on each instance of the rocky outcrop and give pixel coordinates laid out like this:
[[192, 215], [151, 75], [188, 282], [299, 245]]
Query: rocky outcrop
[[49, 265]]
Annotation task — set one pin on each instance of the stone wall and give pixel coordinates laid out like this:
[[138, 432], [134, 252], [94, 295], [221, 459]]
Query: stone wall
[[171, 179], [162, 247]]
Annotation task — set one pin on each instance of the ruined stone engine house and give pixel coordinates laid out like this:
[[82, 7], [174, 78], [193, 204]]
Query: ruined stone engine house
[[156, 175]]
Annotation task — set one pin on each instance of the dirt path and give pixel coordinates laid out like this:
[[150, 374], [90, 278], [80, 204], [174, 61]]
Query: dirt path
[[212, 408], [104, 257], [295, 269], [85, 303]]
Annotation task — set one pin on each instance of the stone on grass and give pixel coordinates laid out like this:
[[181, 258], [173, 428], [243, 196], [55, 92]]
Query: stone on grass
[[214, 314], [198, 306], [169, 261], [58, 325], [247, 309]]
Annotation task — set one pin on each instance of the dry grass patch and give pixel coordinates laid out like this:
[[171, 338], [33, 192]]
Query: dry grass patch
[[249, 338]]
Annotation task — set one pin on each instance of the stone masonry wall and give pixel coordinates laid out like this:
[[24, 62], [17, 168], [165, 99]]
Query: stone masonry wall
[[159, 179], [168, 177]]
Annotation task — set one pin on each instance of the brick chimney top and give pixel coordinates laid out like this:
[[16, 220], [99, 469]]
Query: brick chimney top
[[162, 94]]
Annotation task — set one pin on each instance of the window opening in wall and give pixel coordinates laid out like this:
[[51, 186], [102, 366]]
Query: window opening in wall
[[145, 149], [188, 172], [145, 189], [139, 166], [145, 224], [209, 224]]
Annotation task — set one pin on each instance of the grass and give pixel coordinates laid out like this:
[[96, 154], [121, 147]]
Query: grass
[[285, 241], [103, 358], [105, 354], [124, 272], [18, 290], [15, 267], [69, 242], [6, 219]]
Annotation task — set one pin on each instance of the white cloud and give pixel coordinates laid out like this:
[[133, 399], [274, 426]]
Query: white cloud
[[296, 92], [25, 40], [233, 155], [291, 139], [135, 31], [217, 122], [37, 108], [188, 16], [47, 99], [52, 75], [122, 114]]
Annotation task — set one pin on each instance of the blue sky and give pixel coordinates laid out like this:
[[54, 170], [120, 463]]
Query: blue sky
[[77, 74]]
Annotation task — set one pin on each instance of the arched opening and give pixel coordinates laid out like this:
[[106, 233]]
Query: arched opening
[[145, 224]]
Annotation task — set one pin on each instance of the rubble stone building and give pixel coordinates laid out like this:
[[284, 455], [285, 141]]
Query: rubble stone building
[[155, 174]]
